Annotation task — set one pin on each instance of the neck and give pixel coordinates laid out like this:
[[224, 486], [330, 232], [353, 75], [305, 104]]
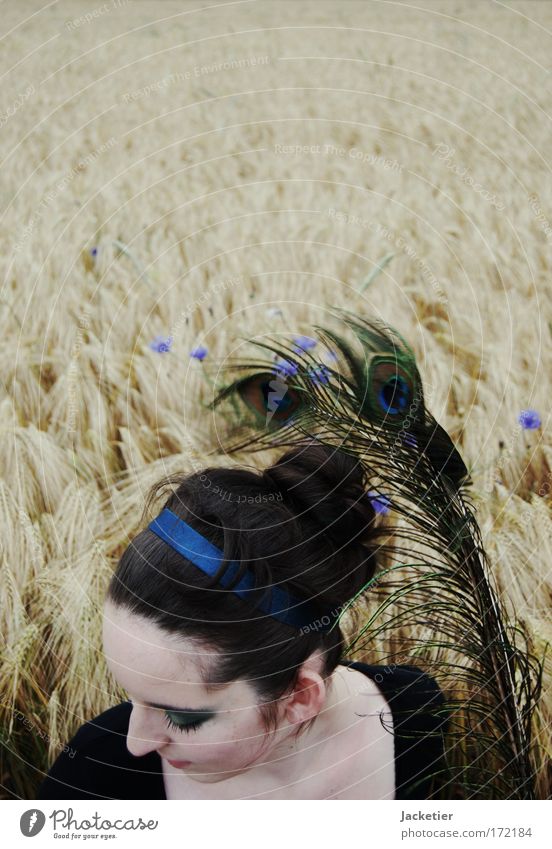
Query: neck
[[294, 756]]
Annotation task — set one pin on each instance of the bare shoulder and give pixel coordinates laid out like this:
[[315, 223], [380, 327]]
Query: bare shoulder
[[366, 767]]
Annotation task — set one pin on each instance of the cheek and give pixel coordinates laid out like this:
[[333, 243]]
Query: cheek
[[233, 741]]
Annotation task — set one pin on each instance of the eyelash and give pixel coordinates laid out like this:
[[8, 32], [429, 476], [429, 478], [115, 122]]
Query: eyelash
[[192, 726]]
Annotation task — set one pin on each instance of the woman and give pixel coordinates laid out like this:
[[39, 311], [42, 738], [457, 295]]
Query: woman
[[221, 623]]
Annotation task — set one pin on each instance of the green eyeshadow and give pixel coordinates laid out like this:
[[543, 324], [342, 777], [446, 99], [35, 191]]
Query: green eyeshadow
[[182, 718]]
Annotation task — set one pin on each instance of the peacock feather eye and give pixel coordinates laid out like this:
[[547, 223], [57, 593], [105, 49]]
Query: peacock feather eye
[[394, 395], [391, 388], [269, 396]]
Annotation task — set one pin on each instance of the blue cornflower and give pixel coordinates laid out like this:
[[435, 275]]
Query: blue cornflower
[[94, 251], [161, 345], [199, 353], [319, 374], [285, 368], [303, 343], [380, 503], [529, 419]]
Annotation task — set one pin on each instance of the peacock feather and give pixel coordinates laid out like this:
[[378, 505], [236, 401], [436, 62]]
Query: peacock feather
[[433, 602]]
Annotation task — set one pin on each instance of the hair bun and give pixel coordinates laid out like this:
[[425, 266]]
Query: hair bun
[[325, 486]]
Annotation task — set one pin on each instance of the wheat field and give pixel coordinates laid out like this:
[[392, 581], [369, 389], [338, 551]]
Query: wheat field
[[217, 171]]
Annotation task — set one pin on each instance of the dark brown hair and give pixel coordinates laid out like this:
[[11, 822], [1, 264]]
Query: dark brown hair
[[304, 523]]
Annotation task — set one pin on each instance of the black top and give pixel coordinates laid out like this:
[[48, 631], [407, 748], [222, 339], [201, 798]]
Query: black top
[[98, 765]]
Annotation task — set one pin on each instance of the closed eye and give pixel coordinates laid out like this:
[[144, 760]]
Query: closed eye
[[183, 720], [186, 721], [192, 726]]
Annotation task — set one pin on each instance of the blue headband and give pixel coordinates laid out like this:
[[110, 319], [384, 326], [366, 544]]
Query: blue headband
[[207, 557]]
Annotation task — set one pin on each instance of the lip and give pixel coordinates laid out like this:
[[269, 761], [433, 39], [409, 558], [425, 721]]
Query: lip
[[179, 764]]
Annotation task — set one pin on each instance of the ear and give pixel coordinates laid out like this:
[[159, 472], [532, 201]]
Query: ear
[[308, 696]]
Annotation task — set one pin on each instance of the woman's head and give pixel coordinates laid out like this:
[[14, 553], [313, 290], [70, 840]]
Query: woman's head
[[217, 728], [175, 633]]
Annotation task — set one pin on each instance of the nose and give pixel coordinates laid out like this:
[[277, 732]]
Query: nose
[[145, 731]]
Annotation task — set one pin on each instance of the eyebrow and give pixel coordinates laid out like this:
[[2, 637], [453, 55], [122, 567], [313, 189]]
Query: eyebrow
[[210, 687]]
